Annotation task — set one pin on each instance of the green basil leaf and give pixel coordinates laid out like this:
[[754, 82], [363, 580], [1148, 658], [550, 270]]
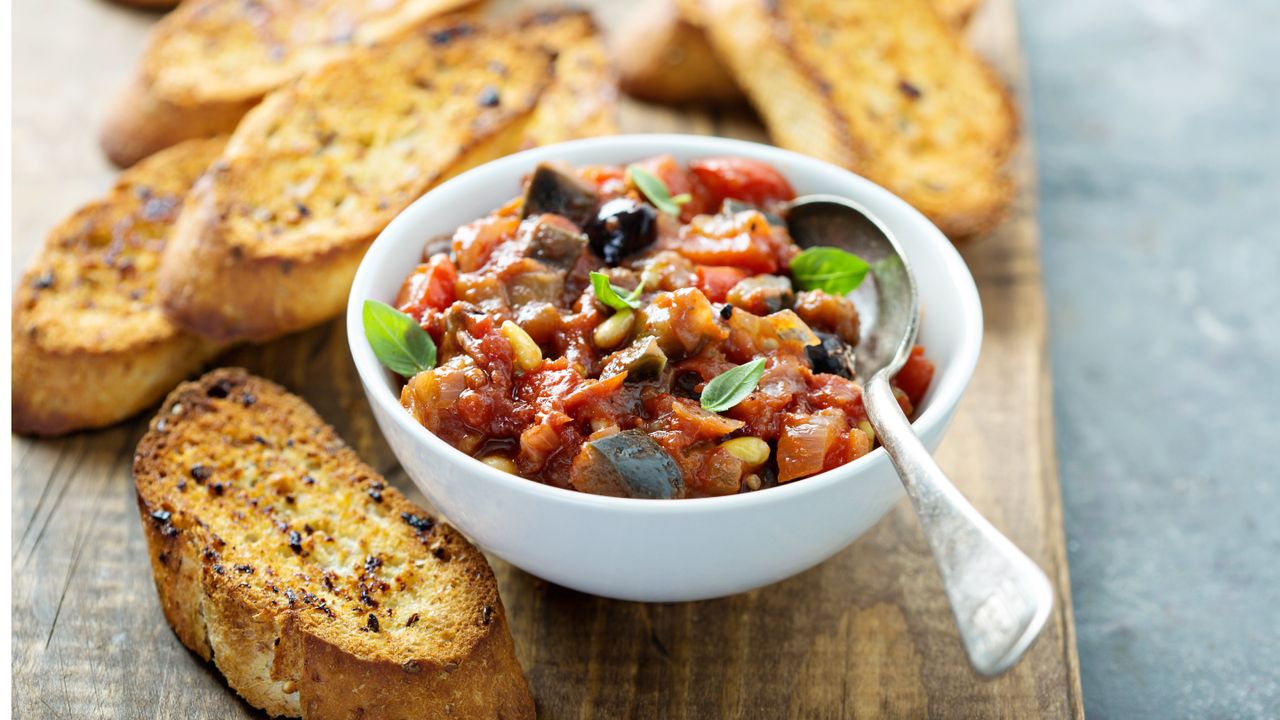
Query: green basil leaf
[[732, 386], [397, 339], [611, 295], [656, 190], [829, 269]]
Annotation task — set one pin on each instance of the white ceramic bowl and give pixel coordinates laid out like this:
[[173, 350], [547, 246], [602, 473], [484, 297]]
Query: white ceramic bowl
[[663, 550]]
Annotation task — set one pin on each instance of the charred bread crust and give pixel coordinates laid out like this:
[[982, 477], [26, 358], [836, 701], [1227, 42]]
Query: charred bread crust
[[664, 58], [962, 185], [254, 256], [849, 82], [50, 396], [209, 61], [797, 108], [86, 315], [149, 4], [582, 98], [140, 122], [298, 620]]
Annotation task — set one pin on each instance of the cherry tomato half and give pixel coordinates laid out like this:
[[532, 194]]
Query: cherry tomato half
[[751, 181]]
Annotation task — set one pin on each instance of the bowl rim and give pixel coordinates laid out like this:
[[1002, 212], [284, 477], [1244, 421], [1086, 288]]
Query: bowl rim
[[945, 394]]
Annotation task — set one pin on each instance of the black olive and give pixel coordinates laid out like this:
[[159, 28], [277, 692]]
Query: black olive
[[832, 355], [686, 382], [622, 227]]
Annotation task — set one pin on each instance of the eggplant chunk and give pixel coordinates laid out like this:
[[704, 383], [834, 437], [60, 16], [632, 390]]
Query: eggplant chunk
[[557, 191], [683, 322], [642, 360], [438, 245], [627, 464], [733, 206], [555, 241], [832, 355], [534, 285], [762, 294]]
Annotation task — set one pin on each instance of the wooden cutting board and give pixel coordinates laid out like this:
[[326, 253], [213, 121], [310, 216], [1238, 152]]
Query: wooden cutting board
[[866, 634]]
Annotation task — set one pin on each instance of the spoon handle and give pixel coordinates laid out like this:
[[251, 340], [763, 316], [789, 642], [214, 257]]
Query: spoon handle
[[1000, 598]]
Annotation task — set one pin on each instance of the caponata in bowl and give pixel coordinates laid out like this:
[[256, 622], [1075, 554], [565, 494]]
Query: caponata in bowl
[[645, 331]]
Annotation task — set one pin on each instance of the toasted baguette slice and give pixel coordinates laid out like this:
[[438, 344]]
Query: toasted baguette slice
[[318, 590], [91, 345], [209, 61], [582, 98], [663, 58], [150, 4], [888, 89], [269, 240]]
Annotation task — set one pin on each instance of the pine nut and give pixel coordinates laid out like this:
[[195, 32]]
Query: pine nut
[[751, 450], [525, 352], [865, 426], [499, 462], [613, 331]]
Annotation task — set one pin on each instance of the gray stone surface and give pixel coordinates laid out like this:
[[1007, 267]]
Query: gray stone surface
[[1158, 126]]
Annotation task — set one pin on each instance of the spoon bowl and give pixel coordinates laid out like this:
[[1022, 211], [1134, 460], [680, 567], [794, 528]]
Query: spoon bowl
[[1000, 598], [887, 299]]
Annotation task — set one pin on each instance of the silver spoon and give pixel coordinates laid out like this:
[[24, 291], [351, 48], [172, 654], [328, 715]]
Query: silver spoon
[[1001, 600]]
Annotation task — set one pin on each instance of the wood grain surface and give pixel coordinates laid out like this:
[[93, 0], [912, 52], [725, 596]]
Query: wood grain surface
[[866, 634]]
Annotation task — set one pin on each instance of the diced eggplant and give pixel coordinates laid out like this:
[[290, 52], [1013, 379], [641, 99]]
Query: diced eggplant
[[667, 270], [762, 294], [733, 206], [540, 319], [832, 355], [830, 313], [534, 285], [627, 464], [642, 360], [789, 328], [554, 240], [683, 322], [553, 190], [783, 330], [622, 227], [438, 245]]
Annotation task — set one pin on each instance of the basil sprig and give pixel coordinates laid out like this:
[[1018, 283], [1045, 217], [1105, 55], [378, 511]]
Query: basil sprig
[[397, 339], [611, 295], [828, 269], [656, 190], [732, 386]]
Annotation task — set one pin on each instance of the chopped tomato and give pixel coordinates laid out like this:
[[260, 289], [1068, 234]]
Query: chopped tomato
[[833, 391], [744, 240], [474, 242], [914, 377], [610, 181], [751, 181], [430, 286], [715, 281], [546, 387], [721, 474]]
